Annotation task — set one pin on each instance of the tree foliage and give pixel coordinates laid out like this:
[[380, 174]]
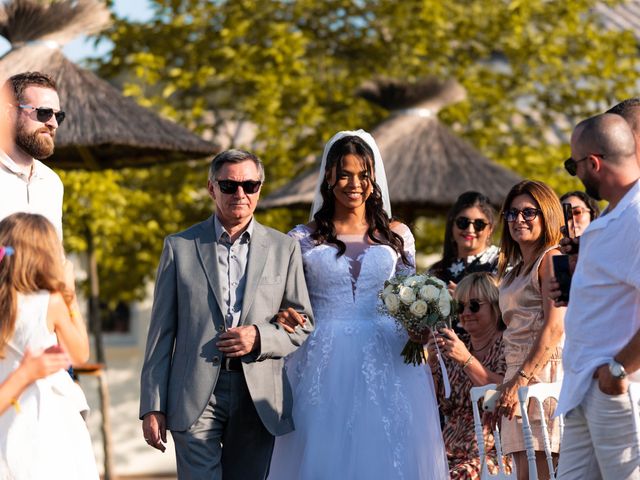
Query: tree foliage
[[291, 67]]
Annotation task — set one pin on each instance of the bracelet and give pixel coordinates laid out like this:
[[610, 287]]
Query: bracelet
[[466, 364], [16, 404], [73, 314], [522, 373]]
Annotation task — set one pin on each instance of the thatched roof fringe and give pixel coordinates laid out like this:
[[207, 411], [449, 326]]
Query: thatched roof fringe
[[22, 21], [398, 95]]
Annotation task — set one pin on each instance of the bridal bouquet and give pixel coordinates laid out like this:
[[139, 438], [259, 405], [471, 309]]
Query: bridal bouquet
[[418, 303]]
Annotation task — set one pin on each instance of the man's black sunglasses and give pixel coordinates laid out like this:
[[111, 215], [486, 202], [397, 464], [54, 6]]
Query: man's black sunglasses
[[478, 224], [474, 306], [571, 165], [231, 186], [44, 114]]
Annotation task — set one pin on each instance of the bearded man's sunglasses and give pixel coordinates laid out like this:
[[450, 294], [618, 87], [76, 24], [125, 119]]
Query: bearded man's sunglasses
[[44, 114]]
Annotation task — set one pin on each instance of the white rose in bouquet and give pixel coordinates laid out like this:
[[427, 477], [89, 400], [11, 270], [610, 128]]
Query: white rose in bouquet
[[419, 308], [414, 281], [444, 302], [429, 292], [392, 302], [439, 282], [387, 291], [407, 295]]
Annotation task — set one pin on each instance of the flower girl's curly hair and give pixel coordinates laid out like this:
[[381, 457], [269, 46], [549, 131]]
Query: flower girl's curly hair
[[378, 230], [35, 265]]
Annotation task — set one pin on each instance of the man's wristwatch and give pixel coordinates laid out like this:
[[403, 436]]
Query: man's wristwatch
[[617, 370]]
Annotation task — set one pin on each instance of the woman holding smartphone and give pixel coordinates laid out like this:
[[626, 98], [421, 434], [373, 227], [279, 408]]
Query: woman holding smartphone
[[584, 210], [472, 359], [532, 221]]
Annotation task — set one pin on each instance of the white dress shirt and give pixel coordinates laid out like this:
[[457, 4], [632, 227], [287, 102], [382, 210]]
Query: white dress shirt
[[604, 305], [41, 193]]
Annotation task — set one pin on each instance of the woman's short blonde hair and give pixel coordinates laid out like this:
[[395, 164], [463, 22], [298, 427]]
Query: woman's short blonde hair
[[482, 286]]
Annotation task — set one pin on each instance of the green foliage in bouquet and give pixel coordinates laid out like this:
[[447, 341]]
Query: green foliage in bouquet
[[419, 303]]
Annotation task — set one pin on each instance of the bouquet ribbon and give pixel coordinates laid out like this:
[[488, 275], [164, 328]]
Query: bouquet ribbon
[[443, 369]]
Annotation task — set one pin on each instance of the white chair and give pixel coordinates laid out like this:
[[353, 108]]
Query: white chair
[[539, 391], [477, 393]]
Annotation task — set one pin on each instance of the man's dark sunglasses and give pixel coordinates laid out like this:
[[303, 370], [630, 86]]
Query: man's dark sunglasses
[[478, 224], [44, 114], [571, 165], [474, 306], [231, 186]]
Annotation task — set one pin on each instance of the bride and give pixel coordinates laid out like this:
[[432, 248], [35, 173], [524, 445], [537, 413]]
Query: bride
[[359, 411]]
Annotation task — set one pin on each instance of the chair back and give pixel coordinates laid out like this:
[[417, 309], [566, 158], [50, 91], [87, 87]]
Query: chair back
[[539, 391], [477, 393]]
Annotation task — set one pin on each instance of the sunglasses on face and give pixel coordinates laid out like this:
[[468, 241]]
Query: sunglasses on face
[[474, 306], [578, 211], [44, 114], [231, 186], [478, 224], [571, 165], [528, 214]]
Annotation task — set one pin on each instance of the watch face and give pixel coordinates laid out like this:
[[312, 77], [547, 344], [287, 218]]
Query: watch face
[[616, 370]]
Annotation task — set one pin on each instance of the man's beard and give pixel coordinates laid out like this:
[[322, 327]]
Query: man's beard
[[591, 187], [34, 144]]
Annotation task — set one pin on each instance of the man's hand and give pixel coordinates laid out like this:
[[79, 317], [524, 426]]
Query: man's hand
[[154, 429], [555, 292], [239, 341], [290, 319], [609, 384], [569, 246]]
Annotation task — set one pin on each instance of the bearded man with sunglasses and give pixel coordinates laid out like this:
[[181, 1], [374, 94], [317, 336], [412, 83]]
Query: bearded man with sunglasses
[[213, 372], [601, 387], [26, 184]]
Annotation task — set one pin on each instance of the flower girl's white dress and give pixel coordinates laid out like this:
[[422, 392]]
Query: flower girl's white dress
[[359, 412], [47, 438]]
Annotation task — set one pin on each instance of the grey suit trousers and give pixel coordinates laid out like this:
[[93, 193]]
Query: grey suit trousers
[[228, 441]]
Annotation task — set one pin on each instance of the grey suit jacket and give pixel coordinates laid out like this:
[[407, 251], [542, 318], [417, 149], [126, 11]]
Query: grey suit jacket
[[182, 362]]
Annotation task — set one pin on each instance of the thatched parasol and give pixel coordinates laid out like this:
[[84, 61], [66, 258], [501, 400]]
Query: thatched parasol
[[427, 165], [103, 128]]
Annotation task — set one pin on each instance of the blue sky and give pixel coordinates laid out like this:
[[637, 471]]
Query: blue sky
[[80, 48]]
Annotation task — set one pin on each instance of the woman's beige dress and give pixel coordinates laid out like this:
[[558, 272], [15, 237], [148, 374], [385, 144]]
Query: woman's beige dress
[[521, 306]]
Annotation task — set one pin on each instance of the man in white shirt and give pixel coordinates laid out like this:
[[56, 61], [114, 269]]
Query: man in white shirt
[[601, 357], [26, 184]]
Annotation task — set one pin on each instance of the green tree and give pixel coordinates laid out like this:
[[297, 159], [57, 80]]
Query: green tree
[[291, 67]]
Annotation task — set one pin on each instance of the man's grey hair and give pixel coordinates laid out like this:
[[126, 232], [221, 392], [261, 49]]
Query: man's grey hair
[[234, 156]]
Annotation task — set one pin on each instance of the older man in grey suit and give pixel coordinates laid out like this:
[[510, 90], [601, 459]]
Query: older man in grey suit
[[213, 370]]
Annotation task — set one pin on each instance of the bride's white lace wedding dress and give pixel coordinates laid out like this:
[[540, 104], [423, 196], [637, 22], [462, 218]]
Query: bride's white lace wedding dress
[[359, 411]]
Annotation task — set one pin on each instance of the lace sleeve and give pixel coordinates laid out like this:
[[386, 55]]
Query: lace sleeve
[[409, 250], [303, 235]]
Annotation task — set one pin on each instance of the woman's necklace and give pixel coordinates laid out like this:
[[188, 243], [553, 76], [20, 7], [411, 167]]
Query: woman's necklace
[[491, 340]]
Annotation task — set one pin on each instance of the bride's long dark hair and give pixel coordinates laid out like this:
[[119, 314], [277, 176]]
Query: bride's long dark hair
[[378, 229]]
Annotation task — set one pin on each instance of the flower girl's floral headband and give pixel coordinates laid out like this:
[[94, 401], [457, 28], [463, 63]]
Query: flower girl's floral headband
[[6, 251]]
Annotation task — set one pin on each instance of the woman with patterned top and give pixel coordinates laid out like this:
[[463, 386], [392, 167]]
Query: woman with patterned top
[[467, 240], [473, 359]]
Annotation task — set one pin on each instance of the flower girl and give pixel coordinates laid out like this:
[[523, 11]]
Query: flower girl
[[44, 434]]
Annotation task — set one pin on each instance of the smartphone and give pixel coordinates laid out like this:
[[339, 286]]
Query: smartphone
[[567, 210], [490, 399], [563, 275]]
